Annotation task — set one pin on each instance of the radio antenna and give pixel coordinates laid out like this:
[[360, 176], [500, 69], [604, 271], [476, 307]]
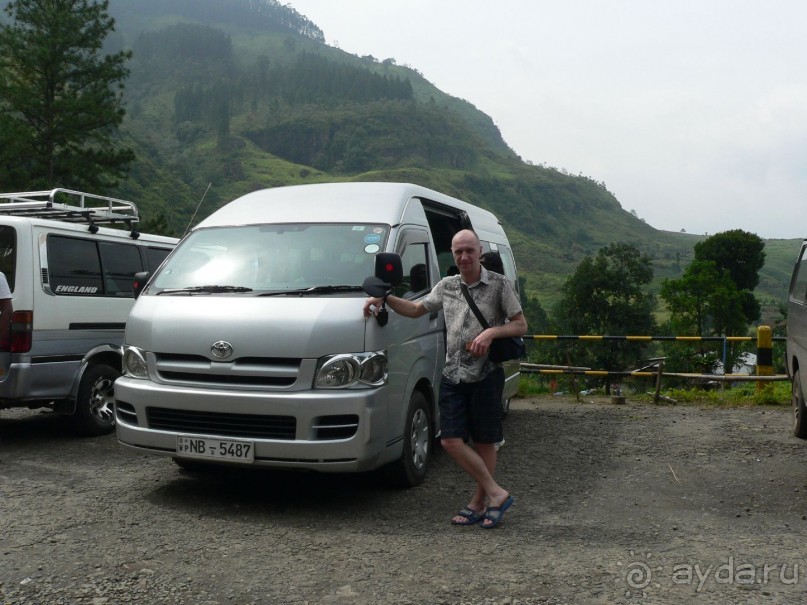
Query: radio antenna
[[197, 209]]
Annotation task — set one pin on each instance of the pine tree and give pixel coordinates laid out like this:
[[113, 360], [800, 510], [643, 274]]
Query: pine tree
[[61, 97]]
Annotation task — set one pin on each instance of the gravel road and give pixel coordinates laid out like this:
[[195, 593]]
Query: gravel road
[[614, 504]]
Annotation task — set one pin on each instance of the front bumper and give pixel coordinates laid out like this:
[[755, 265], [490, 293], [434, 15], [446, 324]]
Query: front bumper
[[321, 437]]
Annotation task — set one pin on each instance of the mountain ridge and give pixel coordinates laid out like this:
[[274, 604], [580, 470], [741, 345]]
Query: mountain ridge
[[241, 133]]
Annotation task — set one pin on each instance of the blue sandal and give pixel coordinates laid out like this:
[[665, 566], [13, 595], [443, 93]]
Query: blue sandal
[[470, 517], [495, 514]]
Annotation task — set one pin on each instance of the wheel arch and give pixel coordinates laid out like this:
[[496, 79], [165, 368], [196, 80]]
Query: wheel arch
[[103, 354]]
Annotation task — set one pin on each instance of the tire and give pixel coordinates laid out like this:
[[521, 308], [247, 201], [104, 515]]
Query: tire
[[799, 408], [95, 409], [410, 470]]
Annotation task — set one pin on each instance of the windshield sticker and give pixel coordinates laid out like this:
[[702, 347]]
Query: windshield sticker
[[372, 238], [358, 228], [372, 248]]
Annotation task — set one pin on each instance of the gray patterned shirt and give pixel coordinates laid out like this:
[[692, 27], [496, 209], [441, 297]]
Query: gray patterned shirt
[[496, 299]]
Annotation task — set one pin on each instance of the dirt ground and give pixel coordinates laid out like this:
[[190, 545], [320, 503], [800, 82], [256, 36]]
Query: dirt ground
[[633, 503]]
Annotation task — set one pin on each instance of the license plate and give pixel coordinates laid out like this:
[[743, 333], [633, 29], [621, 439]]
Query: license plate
[[217, 449]]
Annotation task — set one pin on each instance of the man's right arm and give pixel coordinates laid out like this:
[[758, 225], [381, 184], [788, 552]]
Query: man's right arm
[[402, 306]]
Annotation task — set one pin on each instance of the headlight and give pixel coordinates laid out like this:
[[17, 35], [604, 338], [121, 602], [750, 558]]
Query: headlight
[[134, 363], [352, 370]]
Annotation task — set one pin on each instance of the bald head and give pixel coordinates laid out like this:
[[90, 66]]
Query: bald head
[[466, 249]]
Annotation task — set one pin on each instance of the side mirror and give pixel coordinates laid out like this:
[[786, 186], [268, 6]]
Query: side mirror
[[388, 274], [139, 282], [388, 267]]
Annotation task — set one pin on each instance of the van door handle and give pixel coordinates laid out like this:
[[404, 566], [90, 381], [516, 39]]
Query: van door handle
[[434, 315]]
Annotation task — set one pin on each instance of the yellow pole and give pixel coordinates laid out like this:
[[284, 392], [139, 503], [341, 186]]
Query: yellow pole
[[764, 354]]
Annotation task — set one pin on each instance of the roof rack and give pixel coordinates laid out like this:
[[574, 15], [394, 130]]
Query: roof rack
[[72, 207]]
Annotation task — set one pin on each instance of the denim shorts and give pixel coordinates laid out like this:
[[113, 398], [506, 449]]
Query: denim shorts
[[472, 409]]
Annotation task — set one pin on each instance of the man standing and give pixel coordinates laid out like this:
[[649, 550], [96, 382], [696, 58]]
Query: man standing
[[471, 385]]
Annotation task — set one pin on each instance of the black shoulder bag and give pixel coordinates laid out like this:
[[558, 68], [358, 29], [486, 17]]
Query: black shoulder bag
[[501, 349]]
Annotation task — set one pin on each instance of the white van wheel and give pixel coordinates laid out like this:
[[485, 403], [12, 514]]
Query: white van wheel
[[799, 408], [95, 403], [410, 469]]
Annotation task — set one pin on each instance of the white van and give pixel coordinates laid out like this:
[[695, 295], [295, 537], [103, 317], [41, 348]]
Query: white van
[[796, 342], [249, 345], [71, 283]]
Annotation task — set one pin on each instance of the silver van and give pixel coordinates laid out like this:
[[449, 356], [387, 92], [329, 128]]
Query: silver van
[[249, 345], [796, 342], [70, 274]]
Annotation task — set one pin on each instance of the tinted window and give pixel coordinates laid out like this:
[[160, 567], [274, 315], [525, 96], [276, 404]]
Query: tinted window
[[85, 267], [74, 266], [120, 262], [155, 257]]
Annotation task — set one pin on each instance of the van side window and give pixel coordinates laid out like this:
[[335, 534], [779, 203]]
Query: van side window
[[415, 272], [74, 266], [82, 267], [120, 262], [509, 265], [155, 257], [798, 291]]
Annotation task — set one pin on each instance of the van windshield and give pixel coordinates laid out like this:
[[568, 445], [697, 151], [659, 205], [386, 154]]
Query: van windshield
[[257, 259]]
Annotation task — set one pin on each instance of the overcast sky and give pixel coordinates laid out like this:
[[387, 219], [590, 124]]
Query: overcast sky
[[693, 112]]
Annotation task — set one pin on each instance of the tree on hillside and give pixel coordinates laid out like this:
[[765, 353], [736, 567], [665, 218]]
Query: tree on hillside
[[715, 295], [717, 286], [739, 252], [61, 98], [703, 301], [606, 296]]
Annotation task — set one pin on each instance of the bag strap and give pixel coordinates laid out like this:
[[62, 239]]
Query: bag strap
[[480, 318]]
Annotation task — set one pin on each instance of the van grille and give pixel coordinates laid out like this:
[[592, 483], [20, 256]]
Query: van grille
[[216, 423], [247, 372]]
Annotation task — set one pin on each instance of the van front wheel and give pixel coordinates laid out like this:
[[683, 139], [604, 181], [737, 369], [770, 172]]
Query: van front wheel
[[799, 408], [410, 469], [95, 409]]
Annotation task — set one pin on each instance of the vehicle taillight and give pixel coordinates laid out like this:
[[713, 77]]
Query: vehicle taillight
[[22, 327]]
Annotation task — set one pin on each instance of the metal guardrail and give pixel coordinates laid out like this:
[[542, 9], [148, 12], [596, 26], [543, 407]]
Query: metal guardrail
[[531, 368], [645, 338], [764, 340]]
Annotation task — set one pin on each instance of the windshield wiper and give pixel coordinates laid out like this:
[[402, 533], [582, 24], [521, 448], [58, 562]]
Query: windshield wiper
[[314, 290], [205, 290]]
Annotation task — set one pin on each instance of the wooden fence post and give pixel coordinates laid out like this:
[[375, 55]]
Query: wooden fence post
[[659, 372]]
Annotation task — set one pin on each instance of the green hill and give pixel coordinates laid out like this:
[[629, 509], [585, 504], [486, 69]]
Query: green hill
[[229, 96]]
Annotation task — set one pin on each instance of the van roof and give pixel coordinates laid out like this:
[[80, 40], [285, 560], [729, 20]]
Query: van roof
[[382, 203]]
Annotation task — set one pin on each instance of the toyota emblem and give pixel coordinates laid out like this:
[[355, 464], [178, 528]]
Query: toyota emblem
[[221, 349]]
